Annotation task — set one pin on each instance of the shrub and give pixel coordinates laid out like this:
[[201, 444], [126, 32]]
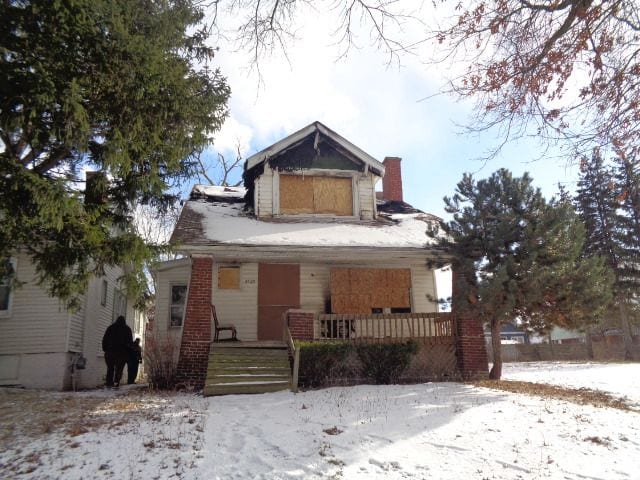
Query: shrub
[[384, 363], [160, 361], [332, 363], [322, 363]]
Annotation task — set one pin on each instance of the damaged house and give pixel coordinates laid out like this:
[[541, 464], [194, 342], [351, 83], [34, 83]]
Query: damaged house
[[307, 249]]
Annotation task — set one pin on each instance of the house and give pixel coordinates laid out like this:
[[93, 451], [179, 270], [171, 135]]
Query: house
[[42, 343], [305, 247], [45, 345], [509, 333]]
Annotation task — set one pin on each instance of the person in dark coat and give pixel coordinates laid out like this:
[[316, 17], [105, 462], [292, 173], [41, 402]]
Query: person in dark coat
[[116, 344], [135, 358]]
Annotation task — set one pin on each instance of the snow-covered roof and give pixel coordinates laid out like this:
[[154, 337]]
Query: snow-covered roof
[[213, 223], [218, 192], [300, 135]]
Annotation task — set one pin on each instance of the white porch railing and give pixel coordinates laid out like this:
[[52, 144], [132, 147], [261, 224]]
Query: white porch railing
[[391, 327]]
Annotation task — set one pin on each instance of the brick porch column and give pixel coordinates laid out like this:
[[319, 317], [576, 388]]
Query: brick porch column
[[196, 331], [471, 348], [300, 324]]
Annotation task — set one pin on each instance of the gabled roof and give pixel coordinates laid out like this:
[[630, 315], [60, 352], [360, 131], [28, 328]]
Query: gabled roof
[[316, 128]]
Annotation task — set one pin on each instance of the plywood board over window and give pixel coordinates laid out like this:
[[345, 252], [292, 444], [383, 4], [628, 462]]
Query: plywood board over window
[[296, 194], [229, 278], [361, 290], [333, 195], [308, 194]]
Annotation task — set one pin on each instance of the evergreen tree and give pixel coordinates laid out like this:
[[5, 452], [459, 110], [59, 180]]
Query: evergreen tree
[[520, 258], [119, 87], [608, 200]]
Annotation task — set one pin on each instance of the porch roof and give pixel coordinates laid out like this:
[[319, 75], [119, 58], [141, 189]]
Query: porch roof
[[220, 223]]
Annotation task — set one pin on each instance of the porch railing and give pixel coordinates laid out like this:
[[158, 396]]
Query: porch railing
[[388, 327], [295, 354]]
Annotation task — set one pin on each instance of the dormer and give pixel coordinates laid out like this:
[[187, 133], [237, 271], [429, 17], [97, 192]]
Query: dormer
[[315, 173]]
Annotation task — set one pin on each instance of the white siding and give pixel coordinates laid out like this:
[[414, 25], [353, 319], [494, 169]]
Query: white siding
[[37, 323], [239, 307], [263, 193], [423, 290], [314, 287], [76, 328], [40, 335], [367, 197]]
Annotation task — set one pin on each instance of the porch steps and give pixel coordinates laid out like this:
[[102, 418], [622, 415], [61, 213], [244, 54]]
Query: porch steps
[[247, 367]]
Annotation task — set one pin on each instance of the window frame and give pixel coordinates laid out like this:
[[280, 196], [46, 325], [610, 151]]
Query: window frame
[[7, 312], [171, 304]]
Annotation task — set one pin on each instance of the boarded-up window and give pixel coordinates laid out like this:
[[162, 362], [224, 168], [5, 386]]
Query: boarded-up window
[[300, 194], [370, 290], [178, 302], [229, 278]]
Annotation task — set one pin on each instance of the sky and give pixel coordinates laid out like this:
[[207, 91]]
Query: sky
[[381, 108]]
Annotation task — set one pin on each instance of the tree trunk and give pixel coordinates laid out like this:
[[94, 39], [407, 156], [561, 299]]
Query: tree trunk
[[496, 346], [589, 343], [625, 326]]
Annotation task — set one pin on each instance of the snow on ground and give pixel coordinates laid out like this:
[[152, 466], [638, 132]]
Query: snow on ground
[[618, 379], [426, 431]]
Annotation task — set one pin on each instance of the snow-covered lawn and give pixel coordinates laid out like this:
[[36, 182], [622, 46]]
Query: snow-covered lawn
[[427, 431], [619, 379]]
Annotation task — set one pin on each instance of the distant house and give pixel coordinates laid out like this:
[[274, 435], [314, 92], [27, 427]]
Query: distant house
[[307, 235], [509, 333]]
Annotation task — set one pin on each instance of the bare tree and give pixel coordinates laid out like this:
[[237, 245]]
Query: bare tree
[[218, 171], [566, 71], [268, 26]]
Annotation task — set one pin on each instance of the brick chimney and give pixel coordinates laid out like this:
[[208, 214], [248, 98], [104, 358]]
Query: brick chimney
[[392, 180]]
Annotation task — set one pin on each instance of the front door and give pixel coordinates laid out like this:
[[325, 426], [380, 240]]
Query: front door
[[278, 291]]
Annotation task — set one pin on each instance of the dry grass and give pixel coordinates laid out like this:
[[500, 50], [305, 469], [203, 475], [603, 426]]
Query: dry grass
[[28, 414], [581, 396]]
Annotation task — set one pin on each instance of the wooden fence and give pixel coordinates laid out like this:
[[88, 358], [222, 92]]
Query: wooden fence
[[431, 328]]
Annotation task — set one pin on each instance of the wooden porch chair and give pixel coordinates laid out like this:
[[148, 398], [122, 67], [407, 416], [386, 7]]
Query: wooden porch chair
[[220, 327]]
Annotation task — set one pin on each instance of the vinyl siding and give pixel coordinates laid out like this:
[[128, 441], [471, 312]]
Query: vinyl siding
[[366, 197], [36, 323], [40, 332], [239, 306], [314, 287], [76, 328], [263, 192], [423, 286]]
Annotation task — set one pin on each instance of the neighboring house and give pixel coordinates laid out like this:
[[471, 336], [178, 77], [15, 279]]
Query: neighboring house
[[307, 234], [509, 333], [40, 340]]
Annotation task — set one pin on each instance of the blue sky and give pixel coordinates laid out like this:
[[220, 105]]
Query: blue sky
[[377, 107]]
